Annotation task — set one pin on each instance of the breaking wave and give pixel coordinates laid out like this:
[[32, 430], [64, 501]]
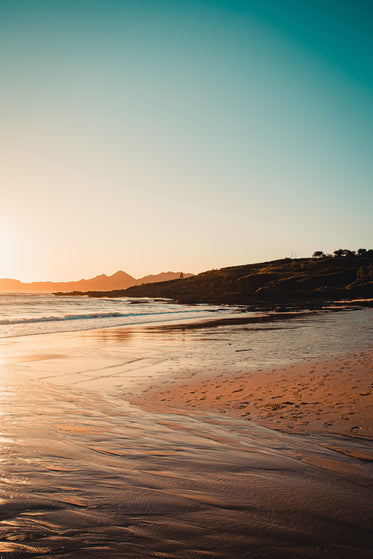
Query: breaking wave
[[91, 316]]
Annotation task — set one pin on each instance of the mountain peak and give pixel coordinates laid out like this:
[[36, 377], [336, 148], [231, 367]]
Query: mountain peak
[[120, 274], [119, 280]]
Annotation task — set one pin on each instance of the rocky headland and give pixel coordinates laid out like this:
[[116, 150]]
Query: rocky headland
[[296, 282]]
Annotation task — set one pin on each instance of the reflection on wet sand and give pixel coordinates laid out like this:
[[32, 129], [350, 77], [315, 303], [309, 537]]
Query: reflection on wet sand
[[38, 357], [85, 473], [118, 335], [113, 481]]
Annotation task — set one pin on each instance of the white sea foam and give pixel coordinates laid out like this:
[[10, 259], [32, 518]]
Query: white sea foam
[[94, 316]]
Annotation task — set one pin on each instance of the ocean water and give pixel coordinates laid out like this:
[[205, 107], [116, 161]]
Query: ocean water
[[27, 314]]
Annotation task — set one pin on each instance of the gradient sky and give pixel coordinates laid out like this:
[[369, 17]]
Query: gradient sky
[[182, 135]]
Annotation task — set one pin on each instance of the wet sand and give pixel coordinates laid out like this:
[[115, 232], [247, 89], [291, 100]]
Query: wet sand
[[86, 471]]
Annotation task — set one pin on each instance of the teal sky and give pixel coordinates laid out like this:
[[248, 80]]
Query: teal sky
[[182, 135]]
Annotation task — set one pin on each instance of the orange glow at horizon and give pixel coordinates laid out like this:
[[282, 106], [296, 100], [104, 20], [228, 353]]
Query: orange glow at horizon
[[6, 251]]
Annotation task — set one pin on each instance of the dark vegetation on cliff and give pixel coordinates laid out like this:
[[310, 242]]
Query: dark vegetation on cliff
[[284, 281]]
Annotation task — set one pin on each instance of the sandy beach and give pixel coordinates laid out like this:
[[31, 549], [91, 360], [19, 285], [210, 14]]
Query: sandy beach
[[333, 396], [186, 442]]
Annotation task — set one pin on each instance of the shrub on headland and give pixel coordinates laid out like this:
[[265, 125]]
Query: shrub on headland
[[344, 252]]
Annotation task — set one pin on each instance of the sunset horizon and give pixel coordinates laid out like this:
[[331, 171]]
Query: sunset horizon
[[292, 256], [181, 135]]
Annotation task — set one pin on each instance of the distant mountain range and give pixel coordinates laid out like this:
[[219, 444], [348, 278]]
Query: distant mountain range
[[119, 280]]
